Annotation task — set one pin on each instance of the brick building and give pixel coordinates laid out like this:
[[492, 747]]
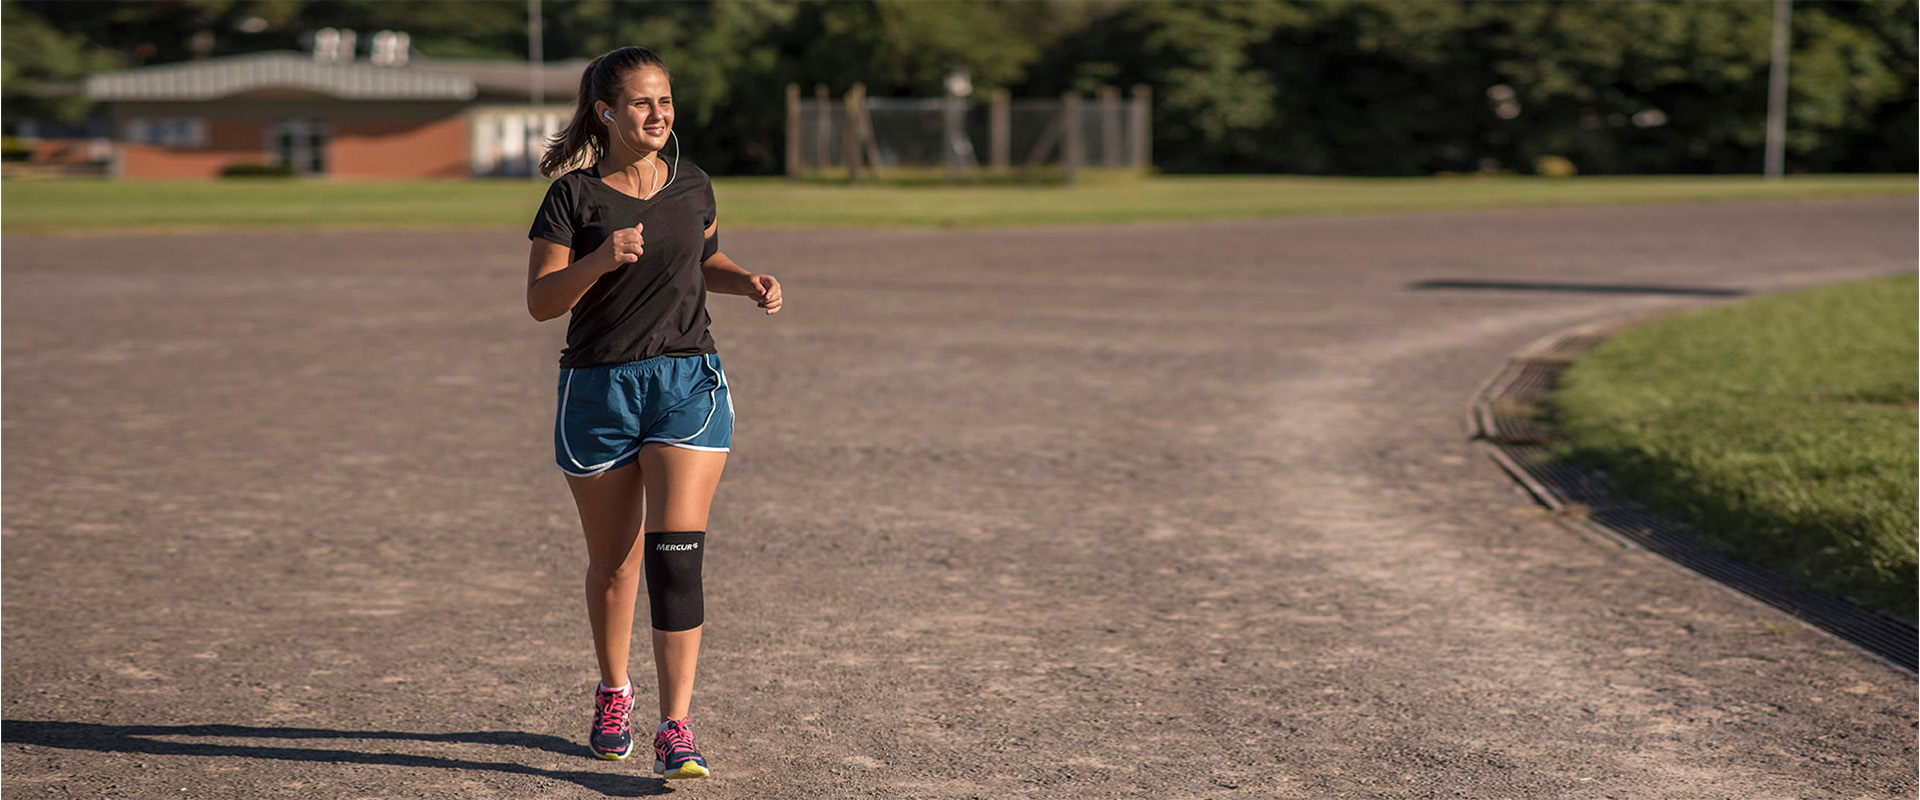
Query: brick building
[[339, 119]]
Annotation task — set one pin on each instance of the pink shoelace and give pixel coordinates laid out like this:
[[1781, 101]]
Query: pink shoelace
[[613, 710], [676, 738]]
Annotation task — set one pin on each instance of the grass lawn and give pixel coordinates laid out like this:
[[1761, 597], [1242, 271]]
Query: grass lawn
[[94, 206], [1782, 428]]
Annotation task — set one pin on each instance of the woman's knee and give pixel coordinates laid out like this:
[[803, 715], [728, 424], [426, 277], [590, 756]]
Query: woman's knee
[[610, 573]]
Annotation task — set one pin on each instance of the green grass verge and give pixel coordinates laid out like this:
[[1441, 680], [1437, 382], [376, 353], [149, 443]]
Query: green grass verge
[[95, 206], [1782, 428]]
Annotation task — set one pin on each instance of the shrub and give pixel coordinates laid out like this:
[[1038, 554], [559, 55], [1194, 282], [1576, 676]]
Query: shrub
[[12, 149], [1554, 167], [278, 169]]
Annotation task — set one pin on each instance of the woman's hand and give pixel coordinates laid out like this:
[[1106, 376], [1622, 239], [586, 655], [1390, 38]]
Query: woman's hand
[[623, 247], [765, 290], [725, 277]]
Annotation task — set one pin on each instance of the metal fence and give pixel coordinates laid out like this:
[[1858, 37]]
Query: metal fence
[[880, 133]]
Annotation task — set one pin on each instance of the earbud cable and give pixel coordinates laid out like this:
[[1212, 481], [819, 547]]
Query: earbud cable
[[672, 172]]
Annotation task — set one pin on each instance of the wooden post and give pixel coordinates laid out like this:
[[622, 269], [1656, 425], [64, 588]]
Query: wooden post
[[850, 131], [1142, 135], [793, 130], [1047, 143], [1109, 127], [1000, 120], [1072, 125], [822, 127]]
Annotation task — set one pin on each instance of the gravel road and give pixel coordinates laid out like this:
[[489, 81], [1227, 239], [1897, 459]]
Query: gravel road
[[1155, 511]]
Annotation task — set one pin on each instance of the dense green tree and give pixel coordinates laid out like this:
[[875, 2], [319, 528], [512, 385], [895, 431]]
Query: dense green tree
[[732, 61], [1671, 87], [899, 47], [162, 31], [34, 54], [1854, 86], [1369, 87], [1381, 88], [1211, 105], [725, 59], [1415, 87]]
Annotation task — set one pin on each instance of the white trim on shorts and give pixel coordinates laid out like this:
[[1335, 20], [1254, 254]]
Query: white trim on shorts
[[596, 469], [691, 446], [713, 405], [599, 471]]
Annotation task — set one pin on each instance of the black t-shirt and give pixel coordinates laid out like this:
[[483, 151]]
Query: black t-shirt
[[656, 306]]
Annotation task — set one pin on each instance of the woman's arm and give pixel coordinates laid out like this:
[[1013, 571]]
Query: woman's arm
[[725, 277], [554, 285]]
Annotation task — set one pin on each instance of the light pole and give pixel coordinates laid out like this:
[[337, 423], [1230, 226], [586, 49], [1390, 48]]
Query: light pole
[[1777, 91], [536, 94]]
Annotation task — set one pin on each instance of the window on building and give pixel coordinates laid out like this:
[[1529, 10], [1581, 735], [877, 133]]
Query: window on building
[[169, 131], [301, 143]]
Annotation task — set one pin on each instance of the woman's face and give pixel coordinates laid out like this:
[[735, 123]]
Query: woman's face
[[644, 115]]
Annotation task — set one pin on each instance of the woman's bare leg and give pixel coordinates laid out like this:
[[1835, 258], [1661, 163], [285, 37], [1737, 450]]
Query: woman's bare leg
[[679, 487], [611, 514]]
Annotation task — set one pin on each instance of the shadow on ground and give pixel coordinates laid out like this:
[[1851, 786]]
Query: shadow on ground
[[144, 739], [1584, 288]]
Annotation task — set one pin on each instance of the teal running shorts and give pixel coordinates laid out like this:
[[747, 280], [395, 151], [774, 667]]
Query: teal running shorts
[[607, 414]]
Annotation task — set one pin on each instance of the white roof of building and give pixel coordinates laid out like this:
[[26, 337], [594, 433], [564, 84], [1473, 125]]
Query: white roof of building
[[216, 78], [560, 80]]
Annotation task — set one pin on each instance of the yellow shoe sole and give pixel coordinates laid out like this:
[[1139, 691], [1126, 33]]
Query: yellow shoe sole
[[691, 769]]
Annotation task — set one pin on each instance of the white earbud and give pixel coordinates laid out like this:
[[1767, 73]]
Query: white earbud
[[608, 115]]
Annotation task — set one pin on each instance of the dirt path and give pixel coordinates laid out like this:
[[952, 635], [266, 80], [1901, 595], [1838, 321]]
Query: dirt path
[[1157, 511]]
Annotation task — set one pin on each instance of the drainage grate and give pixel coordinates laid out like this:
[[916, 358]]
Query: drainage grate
[[1518, 430], [1572, 484], [1535, 382], [1578, 343], [1503, 419], [1648, 530], [1513, 417]]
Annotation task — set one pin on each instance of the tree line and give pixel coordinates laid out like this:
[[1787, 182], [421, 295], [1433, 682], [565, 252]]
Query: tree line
[[1368, 87]]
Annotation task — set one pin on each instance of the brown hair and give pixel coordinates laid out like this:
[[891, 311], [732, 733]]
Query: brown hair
[[585, 138]]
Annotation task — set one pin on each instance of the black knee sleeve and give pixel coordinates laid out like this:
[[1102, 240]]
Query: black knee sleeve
[[672, 561]]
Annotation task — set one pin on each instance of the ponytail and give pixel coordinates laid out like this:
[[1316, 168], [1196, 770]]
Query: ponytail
[[584, 140]]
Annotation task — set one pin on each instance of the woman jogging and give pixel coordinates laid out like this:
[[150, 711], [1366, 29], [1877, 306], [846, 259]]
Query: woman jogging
[[630, 246]]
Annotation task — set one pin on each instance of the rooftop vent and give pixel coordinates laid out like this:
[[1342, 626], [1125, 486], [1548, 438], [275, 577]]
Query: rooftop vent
[[390, 49], [333, 46]]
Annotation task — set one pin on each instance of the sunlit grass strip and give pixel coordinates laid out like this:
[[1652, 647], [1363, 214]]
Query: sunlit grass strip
[[1782, 428], [94, 206]]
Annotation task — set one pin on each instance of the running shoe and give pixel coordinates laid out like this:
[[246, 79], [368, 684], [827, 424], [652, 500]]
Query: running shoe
[[612, 736], [674, 756]]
